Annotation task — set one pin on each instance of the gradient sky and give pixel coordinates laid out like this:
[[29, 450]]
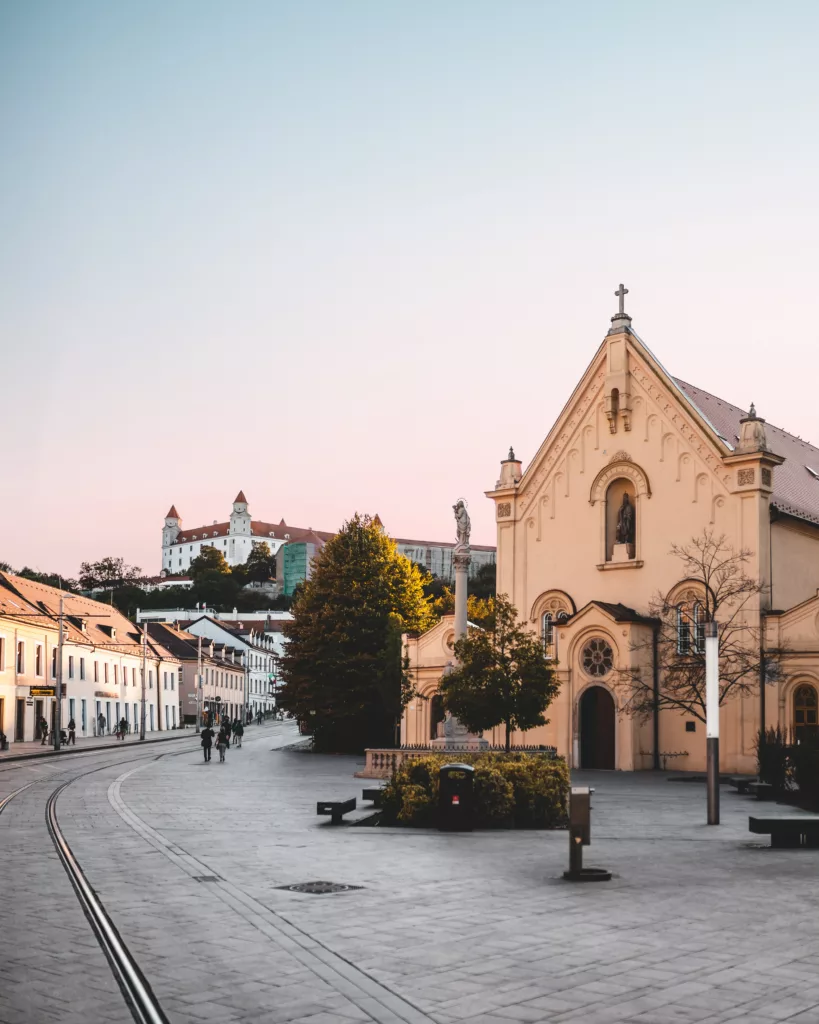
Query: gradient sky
[[343, 254]]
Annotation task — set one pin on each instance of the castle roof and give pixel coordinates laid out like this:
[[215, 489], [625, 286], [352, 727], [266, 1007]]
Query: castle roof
[[240, 497], [172, 513]]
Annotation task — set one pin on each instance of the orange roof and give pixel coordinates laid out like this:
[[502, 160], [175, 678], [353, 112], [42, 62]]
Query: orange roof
[[240, 497], [172, 513]]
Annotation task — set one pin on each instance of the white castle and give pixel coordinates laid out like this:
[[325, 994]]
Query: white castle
[[235, 538]]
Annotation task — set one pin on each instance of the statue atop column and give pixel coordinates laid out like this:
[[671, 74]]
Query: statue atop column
[[463, 525]]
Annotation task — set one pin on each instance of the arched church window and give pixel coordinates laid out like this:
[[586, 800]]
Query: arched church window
[[548, 633], [805, 708], [699, 628], [598, 658], [683, 631]]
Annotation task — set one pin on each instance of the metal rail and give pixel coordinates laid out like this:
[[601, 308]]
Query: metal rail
[[138, 994]]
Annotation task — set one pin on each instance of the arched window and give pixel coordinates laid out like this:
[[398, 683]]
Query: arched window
[[805, 707], [699, 628], [548, 633], [683, 631]]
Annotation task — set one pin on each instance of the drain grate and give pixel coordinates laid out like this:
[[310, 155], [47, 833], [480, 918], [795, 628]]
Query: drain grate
[[318, 888], [206, 878]]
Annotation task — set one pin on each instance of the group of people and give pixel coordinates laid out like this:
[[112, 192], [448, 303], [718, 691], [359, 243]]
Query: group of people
[[227, 729]]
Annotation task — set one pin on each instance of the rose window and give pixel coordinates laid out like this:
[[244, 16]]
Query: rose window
[[598, 658]]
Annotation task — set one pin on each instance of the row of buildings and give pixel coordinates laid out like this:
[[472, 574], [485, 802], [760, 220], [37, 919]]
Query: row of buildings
[[114, 670], [294, 547]]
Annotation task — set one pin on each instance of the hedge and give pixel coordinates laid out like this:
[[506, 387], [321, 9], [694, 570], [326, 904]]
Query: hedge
[[511, 790]]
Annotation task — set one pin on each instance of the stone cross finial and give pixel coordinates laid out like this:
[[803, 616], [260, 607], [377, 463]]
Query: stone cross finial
[[752, 411], [621, 293], [511, 456]]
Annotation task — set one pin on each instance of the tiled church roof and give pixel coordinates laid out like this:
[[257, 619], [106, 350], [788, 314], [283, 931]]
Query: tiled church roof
[[796, 488]]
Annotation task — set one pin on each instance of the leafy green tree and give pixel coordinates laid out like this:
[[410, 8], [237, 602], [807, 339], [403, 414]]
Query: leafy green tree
[[6, 567], [109, 573], [50, 579], [213, 582], [479, 610], [209, 559], [503, 678], [484, 582], [342, 668], [260, 565]]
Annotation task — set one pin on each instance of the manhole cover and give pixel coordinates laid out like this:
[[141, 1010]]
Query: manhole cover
[[319, 888], [206, 878]]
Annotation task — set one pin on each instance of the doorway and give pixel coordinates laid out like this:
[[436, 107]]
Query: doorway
[[597, 729], [38, 718], [20, 720]]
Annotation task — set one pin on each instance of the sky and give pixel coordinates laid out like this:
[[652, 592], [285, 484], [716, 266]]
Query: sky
[[342, 255]]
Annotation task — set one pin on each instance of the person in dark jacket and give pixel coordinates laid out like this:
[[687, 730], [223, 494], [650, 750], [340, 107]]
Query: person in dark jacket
[[207, 741], [238, 732], [72, 732], [222, 742]]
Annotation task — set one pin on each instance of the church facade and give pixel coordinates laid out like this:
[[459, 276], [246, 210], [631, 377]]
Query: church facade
[[637, 462]]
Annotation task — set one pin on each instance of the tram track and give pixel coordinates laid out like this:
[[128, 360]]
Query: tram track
[[136, 991]]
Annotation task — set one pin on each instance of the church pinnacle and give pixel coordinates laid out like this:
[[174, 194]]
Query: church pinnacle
[[621, 320]]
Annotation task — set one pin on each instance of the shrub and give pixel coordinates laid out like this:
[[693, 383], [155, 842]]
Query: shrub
[[805, 757], [773, 758], [520, 790]]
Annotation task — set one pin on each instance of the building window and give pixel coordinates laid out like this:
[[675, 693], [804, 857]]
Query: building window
[[699, 628], [173, 681], [805, 707], [598, 658], [38, 660], [116, 677], [54, 663], [164, 680], [548, 630], [105, 670], [70, 666], [82, 668], [96, 671], [2, 654], [683, 631], [21, 658], [150, 679]]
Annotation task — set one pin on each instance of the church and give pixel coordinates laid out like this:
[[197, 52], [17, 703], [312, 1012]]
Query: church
[[637, 462]]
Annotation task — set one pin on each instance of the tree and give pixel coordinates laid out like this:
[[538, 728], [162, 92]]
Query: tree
[[213, 582], [342, 668], [108, 573], [713, 584], [479, 610], [50, 579], [484, 583], [261, 563], [503, 678]]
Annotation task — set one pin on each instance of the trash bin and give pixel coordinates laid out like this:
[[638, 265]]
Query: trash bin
[[456, 797]]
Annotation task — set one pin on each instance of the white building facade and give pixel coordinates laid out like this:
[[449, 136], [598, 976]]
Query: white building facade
[[102, 666]]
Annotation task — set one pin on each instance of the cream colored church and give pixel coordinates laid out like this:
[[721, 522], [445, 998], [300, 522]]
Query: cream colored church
[[583, 574]]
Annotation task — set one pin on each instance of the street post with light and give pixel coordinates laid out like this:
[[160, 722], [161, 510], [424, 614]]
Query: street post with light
[[712, 717]]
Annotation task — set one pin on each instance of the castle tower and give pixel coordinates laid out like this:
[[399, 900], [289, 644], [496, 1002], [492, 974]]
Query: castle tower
[[240, 517], [173, 524]]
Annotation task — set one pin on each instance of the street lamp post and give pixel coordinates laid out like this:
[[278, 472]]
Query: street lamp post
[[144, 673], [712, 718], [58, 717], [198, 683]]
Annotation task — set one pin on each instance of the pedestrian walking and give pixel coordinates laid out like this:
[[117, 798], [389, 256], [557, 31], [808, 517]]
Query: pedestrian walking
[[238, 732], [101, 724], [43, 731], [207, 741], [123, 726], [72, 731], [221, 743]]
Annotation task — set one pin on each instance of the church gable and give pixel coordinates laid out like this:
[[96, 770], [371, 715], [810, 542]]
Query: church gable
[[627, 413]]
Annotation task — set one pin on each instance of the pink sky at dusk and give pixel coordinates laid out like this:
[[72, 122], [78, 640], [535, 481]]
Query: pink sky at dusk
[[342, 256]]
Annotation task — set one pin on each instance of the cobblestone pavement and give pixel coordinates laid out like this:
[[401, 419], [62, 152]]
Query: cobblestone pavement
[[699, 924]]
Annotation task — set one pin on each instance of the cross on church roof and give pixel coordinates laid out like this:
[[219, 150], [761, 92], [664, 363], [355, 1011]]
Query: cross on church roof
[[622, 292]]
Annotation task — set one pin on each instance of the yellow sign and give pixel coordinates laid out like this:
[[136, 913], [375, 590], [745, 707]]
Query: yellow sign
[[42, 691]]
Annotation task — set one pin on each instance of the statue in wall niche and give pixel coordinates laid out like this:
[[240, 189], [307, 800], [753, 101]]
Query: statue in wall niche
[[625, 522]]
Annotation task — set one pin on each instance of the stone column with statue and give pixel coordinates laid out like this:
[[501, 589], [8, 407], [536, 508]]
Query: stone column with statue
[[455, 735]]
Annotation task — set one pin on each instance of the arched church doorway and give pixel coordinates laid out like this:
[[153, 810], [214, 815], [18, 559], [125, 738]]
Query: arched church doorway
[[597, 729]]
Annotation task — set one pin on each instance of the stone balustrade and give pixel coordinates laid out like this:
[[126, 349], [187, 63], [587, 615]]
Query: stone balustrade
[[382, 762]]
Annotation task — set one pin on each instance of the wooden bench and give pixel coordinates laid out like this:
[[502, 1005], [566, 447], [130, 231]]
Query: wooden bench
[[335, 808], [741, 784], [373, 795], [787, 833]]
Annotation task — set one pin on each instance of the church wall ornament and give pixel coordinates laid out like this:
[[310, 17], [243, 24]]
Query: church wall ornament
[[504, 509], [745, 477]]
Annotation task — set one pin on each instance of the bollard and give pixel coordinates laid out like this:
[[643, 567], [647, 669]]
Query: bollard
[[580, 836]]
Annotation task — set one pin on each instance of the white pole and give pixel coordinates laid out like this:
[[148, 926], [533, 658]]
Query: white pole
[[58, 718], [198, 681], [144, 680], [712, 718]]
